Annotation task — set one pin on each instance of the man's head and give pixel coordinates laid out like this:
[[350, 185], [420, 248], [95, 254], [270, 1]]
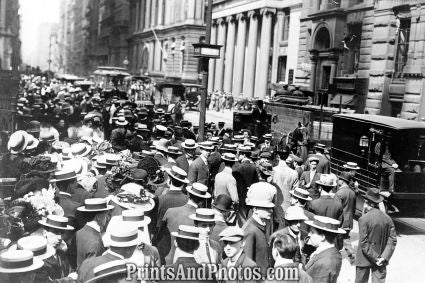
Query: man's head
[[187, 238], [294, 215], [264, 213], [233, 240], [344, 178], [323, 230], [204, 218], [206, 148], [313, 161], [284, 246]]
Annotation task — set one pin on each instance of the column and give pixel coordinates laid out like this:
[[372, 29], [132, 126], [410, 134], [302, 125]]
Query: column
[[313, 63], [153, 12], [248, 86], [211, 64], [160, 12], [239, 55], [191, 10], [157, 59], [264, 56], [219, 64], [277, 30], [148, 14], [230, 52], [333, 73], [137, 16], [151, 55]]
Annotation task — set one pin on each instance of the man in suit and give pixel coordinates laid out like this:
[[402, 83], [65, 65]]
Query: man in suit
[[122, 244], [308, 178], [377, 240], [348, 200], [120, 135], [324, 166], [259, 197], [183, 161], [141, 140], [198, 170], [285, 177], [246, 166], [89, 240], [326, 204], [222, 207], [160, 155], [224, 182], [325, 262], [266, 146], [221, 130]]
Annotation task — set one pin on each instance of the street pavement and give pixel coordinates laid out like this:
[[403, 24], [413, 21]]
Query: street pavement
[[211, 116]]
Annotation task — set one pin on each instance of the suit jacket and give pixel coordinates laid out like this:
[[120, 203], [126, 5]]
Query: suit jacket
[[69, 208], [184, 262], [323, 167], [89, 244], [377, 238], [182, 163], [287, 179], [85, 271], [303, 277], [80, 194], [243, 261], [305, 179], [54, 267], [218, 228], [327, 206], [256, 243], [348, 201], [248, 170], [198, 172], [325, 266], [163, 161]]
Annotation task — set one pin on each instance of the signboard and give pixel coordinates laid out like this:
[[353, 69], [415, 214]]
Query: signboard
[[206, 50]]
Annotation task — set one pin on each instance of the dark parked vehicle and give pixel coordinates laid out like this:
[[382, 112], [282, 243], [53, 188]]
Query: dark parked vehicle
[[355, 138]]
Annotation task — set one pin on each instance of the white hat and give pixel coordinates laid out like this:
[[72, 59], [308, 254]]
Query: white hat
[[36, 244], [261, 194], [66, 173], [161, 128], [18, 142], [57, 222], [204, 215], [95, 205], [80, 149], [124, 235], [187, 232], [300, 193], [295, 213], [19, 261], [109, 269], [130, 190], [136, 217], [351, 166], [79, 165], [206, 145], [229, 157], [232, 234], [178, 174], [189, 144], [121, 121], [199, 190], [326, 224]]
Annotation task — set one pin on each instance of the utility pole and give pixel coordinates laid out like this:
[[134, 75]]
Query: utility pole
[[205, 64]]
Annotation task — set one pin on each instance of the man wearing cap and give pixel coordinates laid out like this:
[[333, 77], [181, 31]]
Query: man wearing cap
[[189, 147], [122, 243], [348, 200], [308, 178], [259, 197], [352, 168], [377, 240], [266, 146], [325, 262], [300, 198], [224, 182], [222, 207], [199, 170], [88, 238]]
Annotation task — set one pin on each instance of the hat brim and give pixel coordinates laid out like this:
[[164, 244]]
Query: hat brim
[[37, 264], [338, 231], [379, 200], [85, 153], [300, 197], [109, 242], [206, 147], [83, 209], [176, 234], [189, 147], [56, 180], [148, 206], [121, 123], [22, 148], [146, 221], [96, 278], [227, 159], [256, 203], [175, 153], [67, 228], [351, 168], [50, 251], [326, 185], [233, 239], [212, 221], [219, 208], [207, 194], [169, 172], [301, 218]]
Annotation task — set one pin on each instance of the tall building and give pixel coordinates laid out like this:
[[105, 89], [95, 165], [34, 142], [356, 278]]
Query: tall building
[[162, 34], [260, 45], [366, 54]]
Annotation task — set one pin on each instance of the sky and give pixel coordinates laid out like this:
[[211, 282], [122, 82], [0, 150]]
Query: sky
[[33, 14]]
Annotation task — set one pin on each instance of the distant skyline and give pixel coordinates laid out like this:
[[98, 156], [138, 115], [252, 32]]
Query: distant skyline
[[36, 14]]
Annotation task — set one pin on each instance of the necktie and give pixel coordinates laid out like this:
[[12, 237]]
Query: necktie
[[208, 251]]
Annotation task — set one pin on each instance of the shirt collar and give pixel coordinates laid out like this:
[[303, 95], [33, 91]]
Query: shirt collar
[[94, 225], [113, 253], [236, 257]]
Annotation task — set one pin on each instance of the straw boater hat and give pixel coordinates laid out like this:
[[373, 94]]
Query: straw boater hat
[[229, 157], [187, 232], [373, 195], [178, 174], [109, 269], [135, 190], [232, 234], [56, 222], [80, 149], [199, 190], [326, 180], [173, 150], [326, 224], [36, 244], [60, 145], [313, 159], [351, 166], [142, 128], [47, 137], [268, 136], [261, 195], [189, 144], [300, 193], [100, 162], [206, 215], [95, 205], [112, 159], [121, 121], [123, 235], [295, 213], [18, 142], [78, 164], [136, 217], [161, 128], [66, 173], [207, 145], [19, 261], [159, 111]]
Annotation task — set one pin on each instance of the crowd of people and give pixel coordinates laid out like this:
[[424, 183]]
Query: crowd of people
[[119, 185]]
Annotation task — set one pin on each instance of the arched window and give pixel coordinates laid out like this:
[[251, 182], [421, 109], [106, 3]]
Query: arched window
[[322, 40]]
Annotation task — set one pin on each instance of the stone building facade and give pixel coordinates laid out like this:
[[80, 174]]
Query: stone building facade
[[260, 45], [366, 54], [162, 33]]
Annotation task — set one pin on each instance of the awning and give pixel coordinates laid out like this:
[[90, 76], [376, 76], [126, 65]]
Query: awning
[[344, 99]]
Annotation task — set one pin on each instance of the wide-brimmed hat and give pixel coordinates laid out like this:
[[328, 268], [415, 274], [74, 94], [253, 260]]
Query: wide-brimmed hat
[[187, 232], [267, 136], [300, 193], [108, 269], [189, 144], [326, 180], [173, 150], [80, 149], [199, 190], [66, 173], [295, 213], [56, 222], [161, 128], [207, 145], [79, 165], [204, 215], [261, 195], [19, 261], [351, 166], [223, 202], [112, 159], [123, 234], [229, 157], [346, 176], [136, 217], [18, 142], [229, 147], [266, 168], [95, 205], [134, 190], [100, 162], [36, 244], [32, 142], [326, 224], [320, 146], [121, 121], [313, 159], [47, 136], [139, 174], [60, 145], [142, 128], [244, 149], [373, 195], [178, 174], [232, 234]]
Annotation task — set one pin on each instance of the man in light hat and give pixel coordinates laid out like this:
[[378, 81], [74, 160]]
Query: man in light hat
[[325, 262], [16, 145], [141, 140], [19, 266], [224, 182], [120, 135], [308, 178], [259, 197], [352, 168], [323, 167], [122, 241], [183, 161], [377, 240], [199, 170], [88, 239]]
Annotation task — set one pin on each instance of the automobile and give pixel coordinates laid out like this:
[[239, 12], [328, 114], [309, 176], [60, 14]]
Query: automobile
[[192, 95], [361, 138]]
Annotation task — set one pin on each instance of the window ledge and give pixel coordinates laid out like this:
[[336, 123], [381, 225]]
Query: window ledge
[[283, 43]]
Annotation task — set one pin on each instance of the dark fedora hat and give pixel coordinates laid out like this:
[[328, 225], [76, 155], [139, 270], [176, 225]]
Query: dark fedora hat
[[346, 176], [373, 195], [223, 202]]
